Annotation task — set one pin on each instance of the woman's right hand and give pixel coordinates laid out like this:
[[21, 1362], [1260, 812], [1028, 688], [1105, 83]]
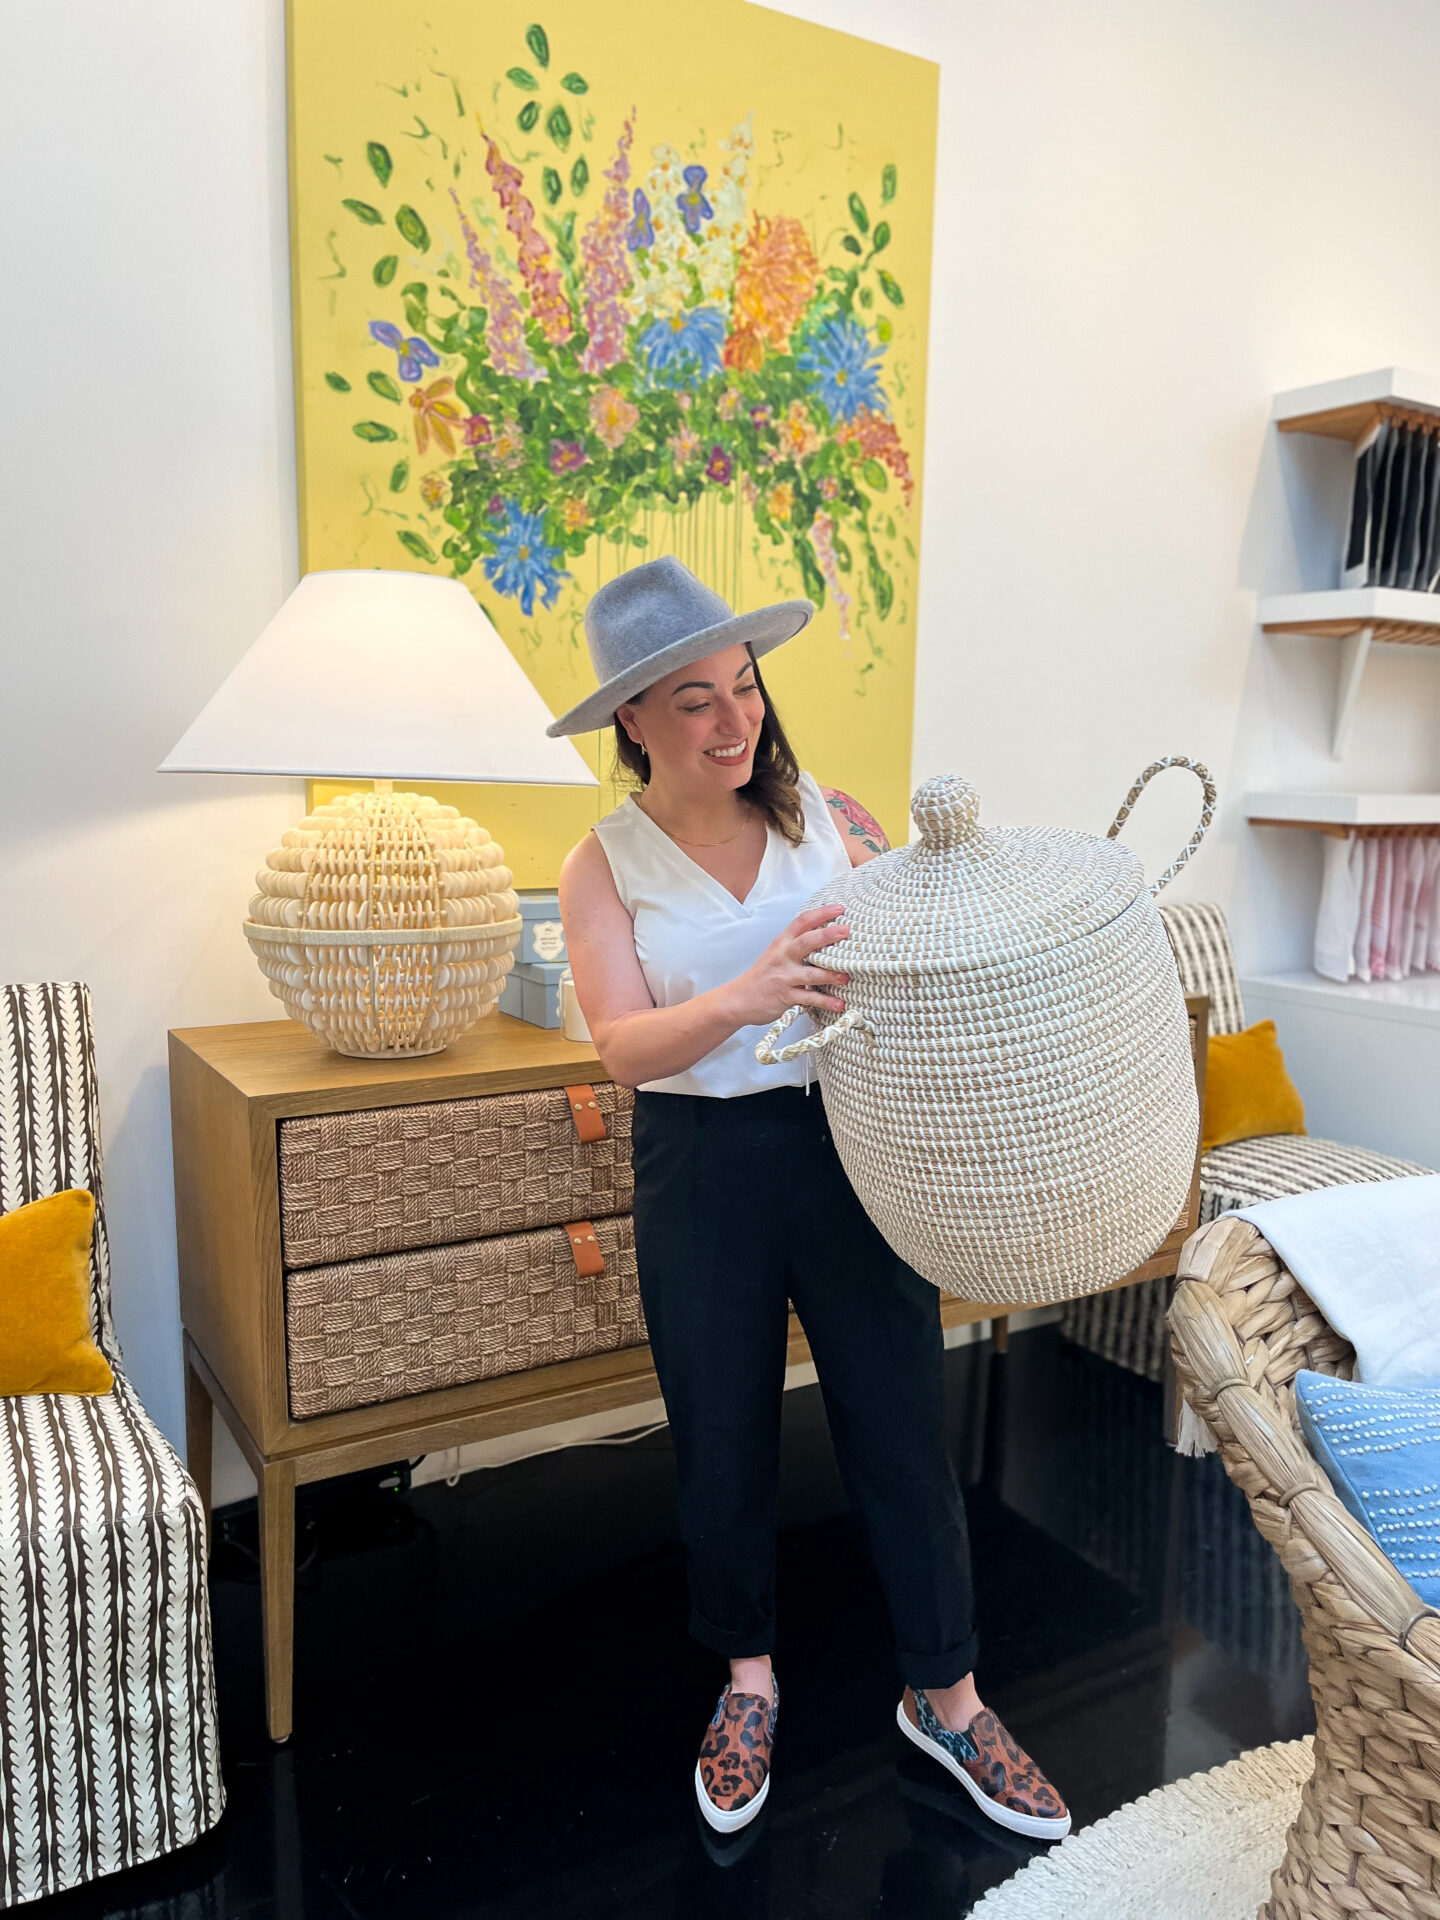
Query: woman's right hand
[[784, 975]]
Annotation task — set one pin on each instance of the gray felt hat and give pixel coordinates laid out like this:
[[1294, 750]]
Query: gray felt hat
[[656, 618]]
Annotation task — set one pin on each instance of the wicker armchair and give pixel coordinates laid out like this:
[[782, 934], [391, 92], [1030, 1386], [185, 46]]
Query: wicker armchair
[[1128, 1326], [108, 1748], [1366, 1841]]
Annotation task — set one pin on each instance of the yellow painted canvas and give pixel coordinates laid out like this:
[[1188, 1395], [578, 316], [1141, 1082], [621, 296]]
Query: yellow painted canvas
[[576, 286]]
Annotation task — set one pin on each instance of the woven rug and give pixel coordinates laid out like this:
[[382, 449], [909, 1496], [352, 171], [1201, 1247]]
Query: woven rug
[[1200, 1849]]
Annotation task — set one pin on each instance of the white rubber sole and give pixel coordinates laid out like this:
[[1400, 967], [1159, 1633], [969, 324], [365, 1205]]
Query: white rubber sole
[[728, 1822], [1031, 1825]]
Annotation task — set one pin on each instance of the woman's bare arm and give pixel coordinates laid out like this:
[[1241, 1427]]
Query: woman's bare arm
[[638, 1041], [863, 834]]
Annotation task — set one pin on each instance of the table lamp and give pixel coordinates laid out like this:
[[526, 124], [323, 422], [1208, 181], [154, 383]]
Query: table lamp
[[386, 923]]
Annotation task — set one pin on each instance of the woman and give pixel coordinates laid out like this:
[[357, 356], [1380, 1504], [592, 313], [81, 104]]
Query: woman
[[686, 938]]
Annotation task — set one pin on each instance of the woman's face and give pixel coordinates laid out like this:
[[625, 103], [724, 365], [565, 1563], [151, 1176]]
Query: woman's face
[[700, 724]]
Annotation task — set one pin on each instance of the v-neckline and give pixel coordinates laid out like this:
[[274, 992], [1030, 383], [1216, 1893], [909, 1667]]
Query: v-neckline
[[718, 886]]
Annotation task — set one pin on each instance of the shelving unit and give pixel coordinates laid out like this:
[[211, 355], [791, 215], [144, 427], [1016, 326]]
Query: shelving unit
[[1359, 617], [1341, 814]]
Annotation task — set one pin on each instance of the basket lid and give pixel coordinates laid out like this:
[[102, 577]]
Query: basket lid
[[963, 895]]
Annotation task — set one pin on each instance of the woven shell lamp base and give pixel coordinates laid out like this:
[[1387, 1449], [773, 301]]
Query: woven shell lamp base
[[385, 923]]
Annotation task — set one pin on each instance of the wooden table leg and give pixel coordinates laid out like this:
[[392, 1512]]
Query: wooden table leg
[[277, 1591], [1000, 1332], [199, 1438]]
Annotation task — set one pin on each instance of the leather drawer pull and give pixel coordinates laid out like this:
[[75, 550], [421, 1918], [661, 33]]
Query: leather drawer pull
[[586, 1249], [585, 1112]]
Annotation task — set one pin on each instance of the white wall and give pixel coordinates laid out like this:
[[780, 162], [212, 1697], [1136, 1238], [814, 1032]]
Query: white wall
[[1151, 215]]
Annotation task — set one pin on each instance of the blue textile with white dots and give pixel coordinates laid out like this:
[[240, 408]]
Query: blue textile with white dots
[[1380, 1447]]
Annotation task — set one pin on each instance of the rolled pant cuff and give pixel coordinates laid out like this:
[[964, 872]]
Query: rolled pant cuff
[[939, 1669], [754, 1643]]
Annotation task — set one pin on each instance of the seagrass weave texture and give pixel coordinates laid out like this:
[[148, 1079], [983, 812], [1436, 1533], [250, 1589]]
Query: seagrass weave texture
[[371, 1330], [1010, 1088], [1366, 1841], [390, 1179]]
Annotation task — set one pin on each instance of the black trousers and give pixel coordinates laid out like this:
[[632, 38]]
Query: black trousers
[[740, 1207]]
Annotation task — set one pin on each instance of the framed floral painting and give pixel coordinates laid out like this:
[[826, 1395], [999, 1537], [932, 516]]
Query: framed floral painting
[[575, 286]]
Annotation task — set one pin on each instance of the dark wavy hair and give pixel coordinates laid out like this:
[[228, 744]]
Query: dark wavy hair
[[772, 788]]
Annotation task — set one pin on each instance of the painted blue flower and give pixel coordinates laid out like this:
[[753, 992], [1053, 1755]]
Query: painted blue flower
[[415, 354], [523, 563], [683, 346], [840, 358], [641, 231], [693, 205]]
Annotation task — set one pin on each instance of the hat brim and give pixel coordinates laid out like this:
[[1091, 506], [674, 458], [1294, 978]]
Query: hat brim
[[761, 631]]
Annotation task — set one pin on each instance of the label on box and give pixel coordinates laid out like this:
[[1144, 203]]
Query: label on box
[[547, 939]]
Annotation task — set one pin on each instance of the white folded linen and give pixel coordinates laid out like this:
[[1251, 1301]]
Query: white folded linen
[[1339, 908], [1368, 1255]]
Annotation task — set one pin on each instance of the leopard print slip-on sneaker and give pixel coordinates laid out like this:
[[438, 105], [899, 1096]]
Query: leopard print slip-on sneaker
[[732, 1775], [999, 1775]]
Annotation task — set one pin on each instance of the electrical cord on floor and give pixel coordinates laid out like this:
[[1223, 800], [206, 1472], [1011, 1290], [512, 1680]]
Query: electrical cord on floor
[[558, 1446]]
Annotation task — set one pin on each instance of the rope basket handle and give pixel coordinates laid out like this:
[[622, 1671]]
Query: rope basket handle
[[1207, 811], [769, 1055]]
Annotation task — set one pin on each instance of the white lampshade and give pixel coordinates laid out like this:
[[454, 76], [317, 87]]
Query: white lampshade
[[376, 675]]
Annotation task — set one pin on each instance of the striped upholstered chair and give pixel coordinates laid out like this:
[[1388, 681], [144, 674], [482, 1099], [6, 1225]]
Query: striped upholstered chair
[[108, 1748], [1129, 1326]]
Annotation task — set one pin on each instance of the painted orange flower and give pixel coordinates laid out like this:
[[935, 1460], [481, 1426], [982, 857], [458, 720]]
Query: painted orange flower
[[437, 413], [574, 516], [781, 502], [775, 274], [434, 489], [797, 431], [875, 438], [612, 416]]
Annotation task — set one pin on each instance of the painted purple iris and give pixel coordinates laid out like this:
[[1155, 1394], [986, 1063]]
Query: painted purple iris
[[523, 563], [693, 205], [719, 467], [415, 354], [566, 456], [641, 230]]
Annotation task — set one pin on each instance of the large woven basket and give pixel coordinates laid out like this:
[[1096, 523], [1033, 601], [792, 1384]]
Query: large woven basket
[[1010, 1088]]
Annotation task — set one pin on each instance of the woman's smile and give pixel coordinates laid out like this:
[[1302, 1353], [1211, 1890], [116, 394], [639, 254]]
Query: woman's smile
[[734, 753]]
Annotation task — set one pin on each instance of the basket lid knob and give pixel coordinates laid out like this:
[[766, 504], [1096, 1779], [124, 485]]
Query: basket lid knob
[[947, 811]]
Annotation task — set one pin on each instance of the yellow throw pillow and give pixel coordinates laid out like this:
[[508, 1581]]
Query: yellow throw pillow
[[1247, 1090], [45, 1343]]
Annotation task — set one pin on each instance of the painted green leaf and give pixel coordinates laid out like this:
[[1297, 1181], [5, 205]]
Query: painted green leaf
[[522, 78], [875, 474], [810, 569], [867, 298], [883, 587], [884, 332], [373, 430], [890, 288], [413, 228], [575, 83], [844, 558], [338, 382], [362, 210], [538, 43], [550, 184], [888, 183], [385, 270], [557, 125], [564, 232], [399, 476], [851, 244], [381, 165], [382, 384], [858, 213], [421, 548], [527, 116], [579, 176], [880, 239]]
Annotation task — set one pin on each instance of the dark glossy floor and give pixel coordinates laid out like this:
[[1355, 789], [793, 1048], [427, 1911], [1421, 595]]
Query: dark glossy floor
[[497, 1709]]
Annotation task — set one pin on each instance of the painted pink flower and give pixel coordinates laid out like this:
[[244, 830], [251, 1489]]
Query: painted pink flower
[[684, 446], [875, 438], [719, 467], [760, 417], [612, 416], [566, 456], [548, 305], [477, 430], [504, 316], [829, 488], [605, 259], [822, 535]]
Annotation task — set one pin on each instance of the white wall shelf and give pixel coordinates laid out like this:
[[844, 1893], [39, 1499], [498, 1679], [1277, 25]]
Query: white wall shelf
[[1412, 1002], [1359, 617], [1347, 409], [1345, 813]]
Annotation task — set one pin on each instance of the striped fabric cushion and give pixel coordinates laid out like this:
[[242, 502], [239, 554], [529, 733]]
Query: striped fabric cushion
[[1200, 941], [109, 1751], [1249, 1171]]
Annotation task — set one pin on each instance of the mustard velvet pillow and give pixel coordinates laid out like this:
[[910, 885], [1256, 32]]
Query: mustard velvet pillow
[[1247, 1090], [45, 1343]]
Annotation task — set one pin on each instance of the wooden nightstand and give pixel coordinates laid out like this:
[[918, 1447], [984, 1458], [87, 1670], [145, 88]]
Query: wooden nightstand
[[232, 1090]]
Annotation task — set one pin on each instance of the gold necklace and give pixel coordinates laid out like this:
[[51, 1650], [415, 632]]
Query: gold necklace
[[745, 828]]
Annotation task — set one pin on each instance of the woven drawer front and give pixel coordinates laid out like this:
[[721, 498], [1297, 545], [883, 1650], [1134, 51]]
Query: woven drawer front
[[393, 1178], [406, 1323]]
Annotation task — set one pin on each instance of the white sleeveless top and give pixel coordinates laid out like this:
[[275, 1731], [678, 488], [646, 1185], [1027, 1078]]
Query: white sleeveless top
[[692, 934]]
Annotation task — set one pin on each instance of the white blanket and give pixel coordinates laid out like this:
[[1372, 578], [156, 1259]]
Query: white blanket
[[1368, 1255]]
